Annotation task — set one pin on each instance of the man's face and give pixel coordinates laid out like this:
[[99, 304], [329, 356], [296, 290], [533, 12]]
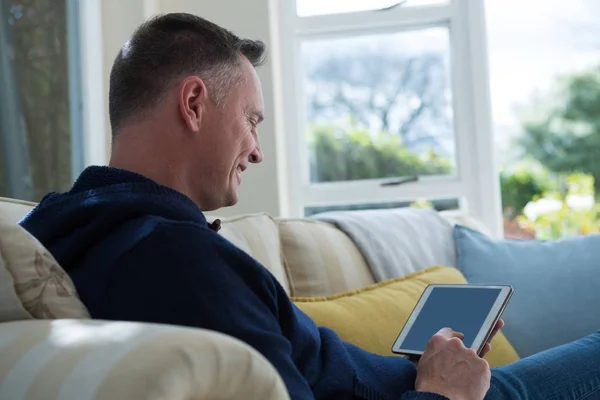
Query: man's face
[[228, 141]]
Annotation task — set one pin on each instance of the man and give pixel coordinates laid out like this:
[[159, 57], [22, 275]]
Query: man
[[185, 104]]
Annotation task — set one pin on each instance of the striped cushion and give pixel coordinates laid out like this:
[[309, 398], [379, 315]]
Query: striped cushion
[[32, 284], [257, 235], [99, 360], [321, 260]]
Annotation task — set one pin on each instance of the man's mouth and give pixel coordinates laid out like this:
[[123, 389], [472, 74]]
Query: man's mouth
[[239, 170]]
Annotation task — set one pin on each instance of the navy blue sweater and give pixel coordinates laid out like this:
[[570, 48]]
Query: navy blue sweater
[[139, 251]]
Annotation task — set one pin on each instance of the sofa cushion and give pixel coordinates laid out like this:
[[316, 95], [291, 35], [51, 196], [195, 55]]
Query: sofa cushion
[[320, 259], [258, 236], [466, 219], [556, 283], [11, 307], [387, 306], [31, 280], [14, 210], [101, 360], [397, 242]]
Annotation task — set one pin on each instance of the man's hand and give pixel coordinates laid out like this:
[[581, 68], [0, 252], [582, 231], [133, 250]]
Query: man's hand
[[448, 368], [486, 348]]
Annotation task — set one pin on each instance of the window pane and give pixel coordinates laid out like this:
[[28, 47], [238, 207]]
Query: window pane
[[545, 81], [35, 132], [379, 106], [439, 205], [306, 8]]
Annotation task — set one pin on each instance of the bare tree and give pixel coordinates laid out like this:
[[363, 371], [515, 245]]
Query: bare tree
[[383, 91]]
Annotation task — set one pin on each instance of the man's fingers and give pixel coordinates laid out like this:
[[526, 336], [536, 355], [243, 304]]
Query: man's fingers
[[499, 325], [448, 333], [486, 349], [441, 337]]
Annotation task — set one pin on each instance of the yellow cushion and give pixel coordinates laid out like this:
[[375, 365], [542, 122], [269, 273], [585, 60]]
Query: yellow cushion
[[372, 317]]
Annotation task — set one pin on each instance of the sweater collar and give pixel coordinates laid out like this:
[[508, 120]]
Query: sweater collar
[[96, 177], [104, 178]]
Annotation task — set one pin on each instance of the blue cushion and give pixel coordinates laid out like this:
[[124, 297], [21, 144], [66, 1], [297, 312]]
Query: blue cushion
[[556, 283]]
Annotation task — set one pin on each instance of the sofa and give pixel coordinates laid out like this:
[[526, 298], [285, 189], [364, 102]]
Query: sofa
[[51, 349]]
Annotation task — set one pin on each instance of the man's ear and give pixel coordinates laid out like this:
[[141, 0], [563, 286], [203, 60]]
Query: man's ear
[[192, 99]]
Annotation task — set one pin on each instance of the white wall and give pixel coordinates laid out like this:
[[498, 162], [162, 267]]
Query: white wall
[[119, 20], [260, 190]]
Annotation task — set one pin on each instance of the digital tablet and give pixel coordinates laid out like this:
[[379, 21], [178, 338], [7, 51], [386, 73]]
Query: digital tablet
[[472, 310]]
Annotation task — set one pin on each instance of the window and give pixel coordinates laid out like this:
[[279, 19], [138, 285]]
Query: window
[[438, 205], [40, 119], [545, 90], [318, 7], [387, 103], [379, 105]]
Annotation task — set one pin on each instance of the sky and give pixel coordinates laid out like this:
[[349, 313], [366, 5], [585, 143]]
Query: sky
[[530, 42]]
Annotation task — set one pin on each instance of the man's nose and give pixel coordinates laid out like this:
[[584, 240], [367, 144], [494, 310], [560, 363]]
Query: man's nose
[[256, 156]]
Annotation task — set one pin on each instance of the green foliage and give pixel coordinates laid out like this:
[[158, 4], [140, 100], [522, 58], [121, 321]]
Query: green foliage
[[568, 220], [343, 156], [562, 130], [520, 185], [422, 204]]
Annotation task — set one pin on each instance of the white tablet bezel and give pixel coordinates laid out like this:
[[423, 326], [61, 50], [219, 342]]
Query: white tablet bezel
[[486, 328]]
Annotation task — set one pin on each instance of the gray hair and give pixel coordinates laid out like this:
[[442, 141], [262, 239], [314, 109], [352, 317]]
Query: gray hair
[[170, 47]]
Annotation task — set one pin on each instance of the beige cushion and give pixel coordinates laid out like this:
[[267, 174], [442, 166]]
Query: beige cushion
[[15, 210], [257, 235], [399, 241], [31, 279], [320, 259], [99, 360]]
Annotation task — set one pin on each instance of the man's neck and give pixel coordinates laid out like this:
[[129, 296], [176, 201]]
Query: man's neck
[[151, 157]]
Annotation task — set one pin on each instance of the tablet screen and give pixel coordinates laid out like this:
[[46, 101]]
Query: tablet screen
[[462, 309]]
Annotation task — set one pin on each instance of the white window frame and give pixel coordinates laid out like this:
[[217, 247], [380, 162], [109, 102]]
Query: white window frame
[[94, 133], [476, 181]]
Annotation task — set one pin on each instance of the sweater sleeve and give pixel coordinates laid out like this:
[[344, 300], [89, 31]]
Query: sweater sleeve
[[176, 275]]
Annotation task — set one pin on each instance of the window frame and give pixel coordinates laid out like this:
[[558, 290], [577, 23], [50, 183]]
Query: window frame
[[476, 180], [94, 140], [74, 26], [86, 95]]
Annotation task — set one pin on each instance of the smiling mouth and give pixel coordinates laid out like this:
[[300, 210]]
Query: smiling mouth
[[238, 172]]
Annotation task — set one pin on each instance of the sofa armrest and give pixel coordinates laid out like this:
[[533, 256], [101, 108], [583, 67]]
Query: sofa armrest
[[101, 360]]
